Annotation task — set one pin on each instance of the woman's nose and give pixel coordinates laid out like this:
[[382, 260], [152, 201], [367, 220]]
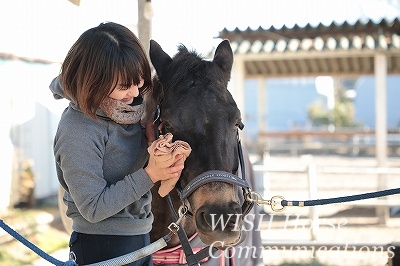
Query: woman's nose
[[133, 91]]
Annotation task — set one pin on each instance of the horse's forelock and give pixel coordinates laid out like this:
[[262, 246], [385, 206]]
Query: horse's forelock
[[186, 66], [190, 66]]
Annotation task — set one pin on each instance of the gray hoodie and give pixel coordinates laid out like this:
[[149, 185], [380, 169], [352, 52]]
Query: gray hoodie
[[100, 164]]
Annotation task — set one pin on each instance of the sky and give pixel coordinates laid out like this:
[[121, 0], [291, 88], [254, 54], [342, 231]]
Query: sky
[[46, 29]]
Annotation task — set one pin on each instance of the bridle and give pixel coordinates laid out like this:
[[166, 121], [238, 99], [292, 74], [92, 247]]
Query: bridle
[[204, 178], [222, 176]]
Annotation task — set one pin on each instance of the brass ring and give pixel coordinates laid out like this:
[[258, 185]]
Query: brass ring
[[275, 200]]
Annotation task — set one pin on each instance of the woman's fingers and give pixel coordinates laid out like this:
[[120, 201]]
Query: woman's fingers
[[167, 160]]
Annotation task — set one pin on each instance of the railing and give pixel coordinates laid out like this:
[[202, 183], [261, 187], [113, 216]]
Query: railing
[[311, 171], [351, 142]]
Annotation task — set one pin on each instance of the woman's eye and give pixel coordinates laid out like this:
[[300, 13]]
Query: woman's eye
[[123, 88]]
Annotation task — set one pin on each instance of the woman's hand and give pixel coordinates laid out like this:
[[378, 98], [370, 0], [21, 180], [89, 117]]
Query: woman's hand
[[166, 166]]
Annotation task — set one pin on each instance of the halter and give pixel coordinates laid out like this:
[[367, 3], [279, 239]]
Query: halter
[[222, 176], [204, 178]]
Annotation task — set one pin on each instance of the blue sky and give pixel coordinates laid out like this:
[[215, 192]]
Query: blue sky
[[47, 28]]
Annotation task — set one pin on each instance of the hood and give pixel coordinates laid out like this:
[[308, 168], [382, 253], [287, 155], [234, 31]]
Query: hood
[[56, 89], [58, 93]]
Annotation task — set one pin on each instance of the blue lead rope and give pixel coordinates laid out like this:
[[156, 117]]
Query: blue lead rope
[[122, 260], [363, 196], [34, 248]]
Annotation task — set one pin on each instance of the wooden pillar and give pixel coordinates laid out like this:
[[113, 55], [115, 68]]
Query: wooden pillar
[[144, 25], [261, 105], [381, 109], [381, 125], [236, 84]]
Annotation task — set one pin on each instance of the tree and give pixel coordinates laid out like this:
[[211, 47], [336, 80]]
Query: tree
[[342, 114]]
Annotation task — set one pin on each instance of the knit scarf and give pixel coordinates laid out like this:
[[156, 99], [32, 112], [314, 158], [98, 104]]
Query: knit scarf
[[121, 112]]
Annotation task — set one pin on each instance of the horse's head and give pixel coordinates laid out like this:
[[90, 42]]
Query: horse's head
[[197, 107]]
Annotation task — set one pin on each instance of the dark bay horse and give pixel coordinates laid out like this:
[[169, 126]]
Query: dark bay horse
[[195, 105]]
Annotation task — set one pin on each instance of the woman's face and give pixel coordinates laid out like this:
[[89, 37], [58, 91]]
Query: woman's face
[[126, 94]]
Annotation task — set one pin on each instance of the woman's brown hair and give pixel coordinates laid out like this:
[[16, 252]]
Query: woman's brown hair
[[101, 58]]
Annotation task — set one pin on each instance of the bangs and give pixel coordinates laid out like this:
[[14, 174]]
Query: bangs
[[129, 70]]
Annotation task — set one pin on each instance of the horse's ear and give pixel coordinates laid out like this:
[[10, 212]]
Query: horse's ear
[[223, 57], [159, 58]]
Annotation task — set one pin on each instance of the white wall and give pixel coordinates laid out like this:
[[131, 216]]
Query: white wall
[[30, 117]]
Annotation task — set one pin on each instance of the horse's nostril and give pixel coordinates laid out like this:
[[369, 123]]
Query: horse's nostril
[[203, 220], [205, 217]]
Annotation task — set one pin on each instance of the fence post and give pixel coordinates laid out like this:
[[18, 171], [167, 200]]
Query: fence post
[[266, 177], [382, 212], [312, 194], [356, 145]]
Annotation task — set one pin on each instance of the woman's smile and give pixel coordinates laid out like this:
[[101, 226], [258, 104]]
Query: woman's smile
[[127, 100]]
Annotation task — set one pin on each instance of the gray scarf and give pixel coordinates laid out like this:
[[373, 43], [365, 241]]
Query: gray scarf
[[121, 112]]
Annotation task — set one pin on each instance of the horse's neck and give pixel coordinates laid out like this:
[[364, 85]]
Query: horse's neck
[[163, 218]]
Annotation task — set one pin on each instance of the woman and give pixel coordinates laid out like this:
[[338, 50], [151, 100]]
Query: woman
[[100, 151]]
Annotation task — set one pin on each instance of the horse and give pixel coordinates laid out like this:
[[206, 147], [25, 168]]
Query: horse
[[191, 101]]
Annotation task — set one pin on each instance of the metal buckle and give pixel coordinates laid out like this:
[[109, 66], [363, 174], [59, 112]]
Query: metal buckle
[[275, 202], [174, 226]]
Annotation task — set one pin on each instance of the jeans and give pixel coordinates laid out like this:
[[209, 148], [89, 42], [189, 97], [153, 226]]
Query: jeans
[[87, 249]]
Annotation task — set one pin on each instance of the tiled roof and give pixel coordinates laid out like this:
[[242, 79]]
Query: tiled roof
[[336, 49]]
